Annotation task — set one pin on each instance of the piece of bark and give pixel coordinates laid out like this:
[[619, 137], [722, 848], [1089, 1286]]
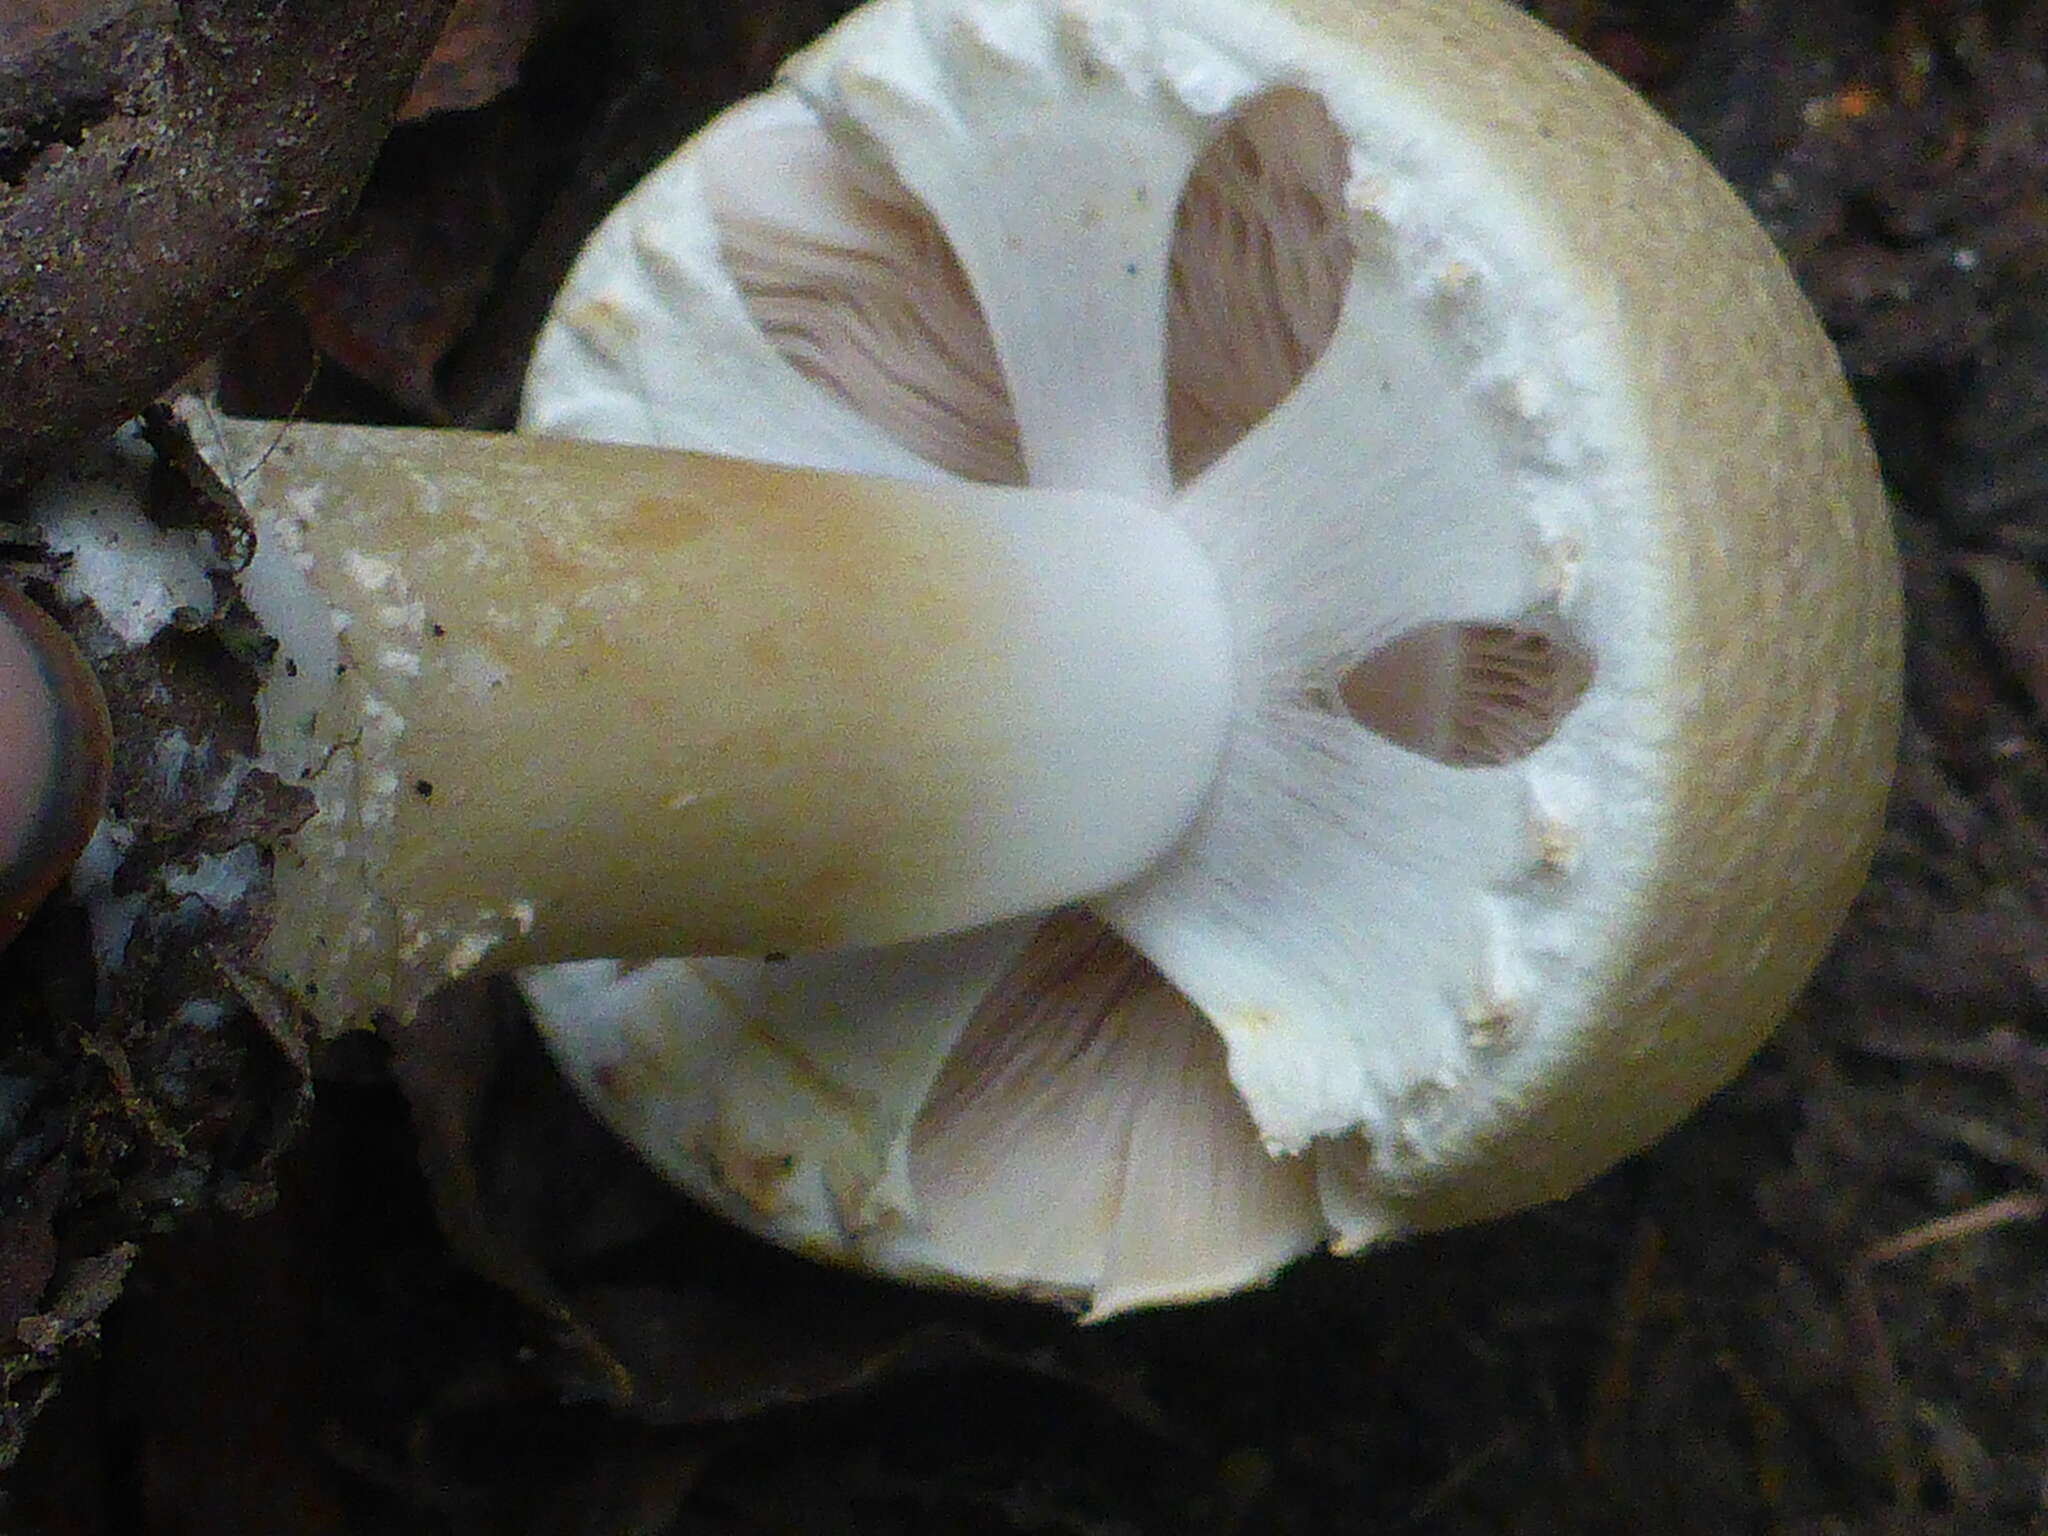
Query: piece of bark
[[164, 169]]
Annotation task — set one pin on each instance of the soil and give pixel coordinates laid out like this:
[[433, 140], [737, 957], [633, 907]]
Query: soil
[[406, 1285]]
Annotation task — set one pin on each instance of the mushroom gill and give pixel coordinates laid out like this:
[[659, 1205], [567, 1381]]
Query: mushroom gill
[[1084, 1125], [1083, 1137], [1470, 695], [851, 279], [1260, 261], [853, 282]]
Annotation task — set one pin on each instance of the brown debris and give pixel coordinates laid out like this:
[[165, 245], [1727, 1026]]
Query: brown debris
[[475, 59], [150, 1092], [428, 244], [88, 1289], [163, 167]]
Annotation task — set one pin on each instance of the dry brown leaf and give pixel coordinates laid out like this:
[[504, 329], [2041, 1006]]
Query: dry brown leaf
[[477, 57]]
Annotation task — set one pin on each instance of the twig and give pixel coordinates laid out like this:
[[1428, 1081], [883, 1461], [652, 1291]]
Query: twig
[[1612, 1387], [2004, 1211]]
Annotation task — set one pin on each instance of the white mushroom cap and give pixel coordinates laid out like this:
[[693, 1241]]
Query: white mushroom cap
[[1561, 585]]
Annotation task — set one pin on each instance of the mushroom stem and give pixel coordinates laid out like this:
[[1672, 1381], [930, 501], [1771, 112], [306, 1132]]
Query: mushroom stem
[[562, 699]]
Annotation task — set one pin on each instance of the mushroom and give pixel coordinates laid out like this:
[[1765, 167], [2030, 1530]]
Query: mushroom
[[55, 753], [1562, 601], [1240, 626]]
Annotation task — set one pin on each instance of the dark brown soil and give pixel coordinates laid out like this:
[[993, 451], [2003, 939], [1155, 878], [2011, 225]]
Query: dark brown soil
[[451, 1304]]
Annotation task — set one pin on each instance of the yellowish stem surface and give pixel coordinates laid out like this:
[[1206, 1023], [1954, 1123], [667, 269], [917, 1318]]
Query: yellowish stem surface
[[597, 700]]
